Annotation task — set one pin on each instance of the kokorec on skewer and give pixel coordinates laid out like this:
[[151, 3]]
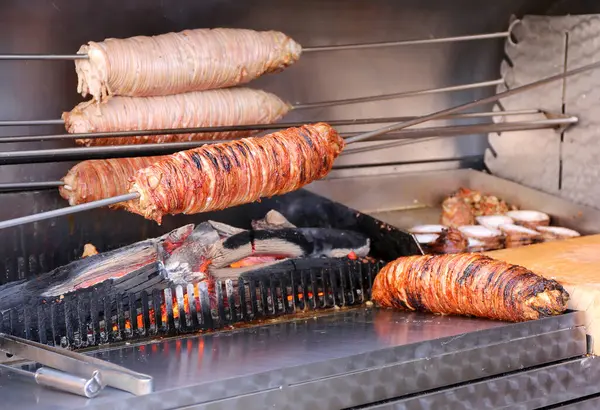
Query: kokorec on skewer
[[219, 176], [235, 106], [468, 284], [96, 179], [174, 63]]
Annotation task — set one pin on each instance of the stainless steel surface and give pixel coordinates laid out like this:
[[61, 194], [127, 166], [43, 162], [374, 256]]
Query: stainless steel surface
[[407, 199], [67, 210], [341, 47], [404, 94], [96, 370], [527, 390], [308, 362], [486, 100], [55, 379]]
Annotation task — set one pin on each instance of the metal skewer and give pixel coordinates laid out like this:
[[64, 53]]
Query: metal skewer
[[255, 127], [281, 125], [402, 138], [357, 138], [473, 37], [137, 150]]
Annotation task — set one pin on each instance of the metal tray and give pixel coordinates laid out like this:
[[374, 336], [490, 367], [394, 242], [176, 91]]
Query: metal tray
[[407, 199]]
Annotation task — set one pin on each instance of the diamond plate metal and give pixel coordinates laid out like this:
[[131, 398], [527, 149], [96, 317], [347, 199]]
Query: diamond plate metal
[[546, 46], [526, 390]]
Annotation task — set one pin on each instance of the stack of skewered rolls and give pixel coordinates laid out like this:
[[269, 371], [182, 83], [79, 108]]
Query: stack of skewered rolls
[[176, 80]]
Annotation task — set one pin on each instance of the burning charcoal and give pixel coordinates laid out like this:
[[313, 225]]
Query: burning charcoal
[[286, 243], [273, 220], [224, 230]]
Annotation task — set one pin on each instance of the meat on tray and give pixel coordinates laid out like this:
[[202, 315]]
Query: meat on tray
[[218, 176], [96, 179], [468, 284], [235, 106], [174, 63]]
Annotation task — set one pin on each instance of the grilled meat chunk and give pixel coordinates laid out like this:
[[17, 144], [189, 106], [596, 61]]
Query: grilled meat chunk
[[468, 284], [174, 63], [96, 179], [451, 240], [235, 106], [219, 176]]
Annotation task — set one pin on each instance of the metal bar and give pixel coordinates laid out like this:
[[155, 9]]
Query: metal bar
[[43, 56], [58, 380], [471, 37], [249, 127], [502, 34], [403, 94], [19, 123], [121, 151], [472, 104], [83, 153], [67, 211], [29, 186], [455, 130]]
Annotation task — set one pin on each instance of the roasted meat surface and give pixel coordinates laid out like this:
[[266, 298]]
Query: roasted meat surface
[[213, 108], [96, 179], [174, 63], [468, 284], [218, 176]]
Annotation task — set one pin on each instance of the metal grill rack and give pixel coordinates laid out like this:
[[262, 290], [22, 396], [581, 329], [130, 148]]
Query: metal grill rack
[[118, 311]]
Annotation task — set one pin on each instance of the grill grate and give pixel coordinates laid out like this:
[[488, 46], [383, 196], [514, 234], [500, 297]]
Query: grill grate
[[100, 315]]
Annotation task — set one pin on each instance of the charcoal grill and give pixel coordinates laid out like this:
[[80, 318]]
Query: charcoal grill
[[304, 334]]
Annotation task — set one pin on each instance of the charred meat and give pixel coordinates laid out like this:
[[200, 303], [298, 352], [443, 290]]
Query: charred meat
[[468, 284], [219, 176]]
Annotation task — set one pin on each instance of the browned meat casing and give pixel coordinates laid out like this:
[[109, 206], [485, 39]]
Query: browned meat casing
[[174, 63], [101, 178], [219, 176], [451, 240], [235, 106], [468, 284]]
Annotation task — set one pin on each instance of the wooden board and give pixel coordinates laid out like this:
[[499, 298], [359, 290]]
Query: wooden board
[[575, 263]]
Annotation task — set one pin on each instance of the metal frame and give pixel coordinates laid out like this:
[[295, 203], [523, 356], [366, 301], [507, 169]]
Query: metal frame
[[374, 354]]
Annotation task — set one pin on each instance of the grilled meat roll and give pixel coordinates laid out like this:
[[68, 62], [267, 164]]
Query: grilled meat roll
[[235, 106], [96, 179], [219, 176], [174, 63], [468, 284]]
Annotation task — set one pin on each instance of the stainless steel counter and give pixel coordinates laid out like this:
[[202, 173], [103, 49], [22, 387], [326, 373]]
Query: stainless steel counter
[[335, 361]]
